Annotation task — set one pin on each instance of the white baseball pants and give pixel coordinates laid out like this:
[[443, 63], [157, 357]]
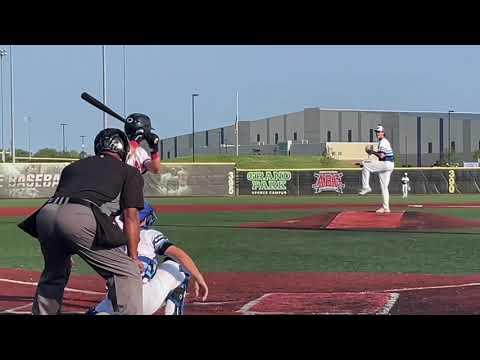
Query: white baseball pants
[[168, 277], [405, 190], [384, 170]]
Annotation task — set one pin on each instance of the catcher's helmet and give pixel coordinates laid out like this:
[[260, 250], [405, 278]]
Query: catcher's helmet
[[147, 214], [135, 122], [113, 140]]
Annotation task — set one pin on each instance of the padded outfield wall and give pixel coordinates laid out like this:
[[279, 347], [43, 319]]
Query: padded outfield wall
[[23, 180], [222, 179], [284, 182]]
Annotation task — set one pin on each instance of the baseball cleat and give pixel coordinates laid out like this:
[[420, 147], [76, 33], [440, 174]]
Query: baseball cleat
[[382, 211], [364, 191], [91, 311]]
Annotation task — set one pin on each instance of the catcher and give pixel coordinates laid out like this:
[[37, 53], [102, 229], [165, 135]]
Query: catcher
[[164, 284]]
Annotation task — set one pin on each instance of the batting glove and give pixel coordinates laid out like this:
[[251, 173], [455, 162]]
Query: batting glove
[[153, 141]]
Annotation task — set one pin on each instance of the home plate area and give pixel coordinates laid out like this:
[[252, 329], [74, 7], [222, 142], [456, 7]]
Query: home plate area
[[321, 304]]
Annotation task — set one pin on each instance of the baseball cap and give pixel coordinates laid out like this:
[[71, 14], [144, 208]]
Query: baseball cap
[[379, 128]]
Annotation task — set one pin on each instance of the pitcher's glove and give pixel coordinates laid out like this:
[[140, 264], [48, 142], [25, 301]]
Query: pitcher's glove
[[369, 149], [153, 140]]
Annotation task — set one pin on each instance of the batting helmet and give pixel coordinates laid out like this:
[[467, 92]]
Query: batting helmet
[[113, 140], [137, 126]]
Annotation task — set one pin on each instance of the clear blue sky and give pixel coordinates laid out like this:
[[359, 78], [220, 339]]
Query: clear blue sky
[[270, 80]]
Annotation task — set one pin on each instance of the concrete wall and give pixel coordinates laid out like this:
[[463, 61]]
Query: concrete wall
[[369, 120], [329, 121], [349, 121], [295, 123], [407, 125], [276, 127], [258, 127], [312, 124]]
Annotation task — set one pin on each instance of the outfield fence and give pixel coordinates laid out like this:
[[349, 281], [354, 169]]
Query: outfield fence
[[34, 180], [299, 182], [39, 180]]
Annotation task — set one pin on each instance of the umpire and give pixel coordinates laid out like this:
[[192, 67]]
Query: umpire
[[78, 220]]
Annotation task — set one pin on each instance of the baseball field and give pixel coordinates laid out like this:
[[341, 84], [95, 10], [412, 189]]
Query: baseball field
[[325, 254]]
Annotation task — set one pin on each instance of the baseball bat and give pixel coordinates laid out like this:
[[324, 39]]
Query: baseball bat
[[99, 105]]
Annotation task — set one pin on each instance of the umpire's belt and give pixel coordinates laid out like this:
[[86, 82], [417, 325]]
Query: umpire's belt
[[68, 200], [108, 233]]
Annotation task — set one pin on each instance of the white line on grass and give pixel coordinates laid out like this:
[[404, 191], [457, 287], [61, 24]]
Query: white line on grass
[[66, 289]]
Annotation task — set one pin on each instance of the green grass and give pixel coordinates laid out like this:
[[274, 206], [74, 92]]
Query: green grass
[[268, 161], [314, 199], [216, 245]]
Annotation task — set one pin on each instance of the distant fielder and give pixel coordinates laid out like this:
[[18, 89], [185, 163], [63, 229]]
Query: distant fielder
[[164, 284], [405, 185], [384, 167]]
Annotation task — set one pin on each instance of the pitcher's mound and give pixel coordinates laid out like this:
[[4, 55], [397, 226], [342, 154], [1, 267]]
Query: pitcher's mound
[[364, 220]]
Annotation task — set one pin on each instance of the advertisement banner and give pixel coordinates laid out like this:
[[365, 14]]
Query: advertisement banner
[[191, 180], [349, 181], [272, 182], [29, 180], [328, 181], [23, 180]]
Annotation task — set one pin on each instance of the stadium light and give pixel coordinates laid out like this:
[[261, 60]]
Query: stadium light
[[12, 111], [3, 52], [63, 134], [449, 139], [193, 126]]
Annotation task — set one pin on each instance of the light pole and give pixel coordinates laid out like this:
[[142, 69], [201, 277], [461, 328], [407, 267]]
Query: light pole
[[236, 128], [63, 135], [12, 111], [449, 139], [124, 80], [28, 121], [104, 71], [3, 52], [83, 145], [193, 125]]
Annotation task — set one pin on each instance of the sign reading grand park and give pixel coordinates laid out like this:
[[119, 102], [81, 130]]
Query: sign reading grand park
[[269, 182]]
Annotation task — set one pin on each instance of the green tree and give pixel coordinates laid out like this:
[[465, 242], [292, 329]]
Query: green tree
[[47, 153], [21, 152], [476, 155]]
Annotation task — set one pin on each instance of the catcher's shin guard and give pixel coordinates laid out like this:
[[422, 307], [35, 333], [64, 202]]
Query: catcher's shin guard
[[176, 299]]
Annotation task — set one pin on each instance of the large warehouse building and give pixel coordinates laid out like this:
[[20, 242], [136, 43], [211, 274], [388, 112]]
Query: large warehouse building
[[418, 138]]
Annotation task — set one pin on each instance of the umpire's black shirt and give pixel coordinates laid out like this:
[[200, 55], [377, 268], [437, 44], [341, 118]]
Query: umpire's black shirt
[[104, 180]]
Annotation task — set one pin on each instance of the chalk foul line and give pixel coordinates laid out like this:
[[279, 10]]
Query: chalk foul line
[[66, 289]]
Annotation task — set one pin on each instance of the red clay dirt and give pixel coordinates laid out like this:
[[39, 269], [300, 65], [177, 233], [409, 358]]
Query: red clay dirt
[[188, 208], [230, 292], [365, 220]]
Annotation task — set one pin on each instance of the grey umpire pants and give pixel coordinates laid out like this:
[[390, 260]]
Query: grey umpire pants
[[64, 230]]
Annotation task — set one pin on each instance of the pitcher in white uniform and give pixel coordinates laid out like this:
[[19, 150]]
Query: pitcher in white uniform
[[384, 167]]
